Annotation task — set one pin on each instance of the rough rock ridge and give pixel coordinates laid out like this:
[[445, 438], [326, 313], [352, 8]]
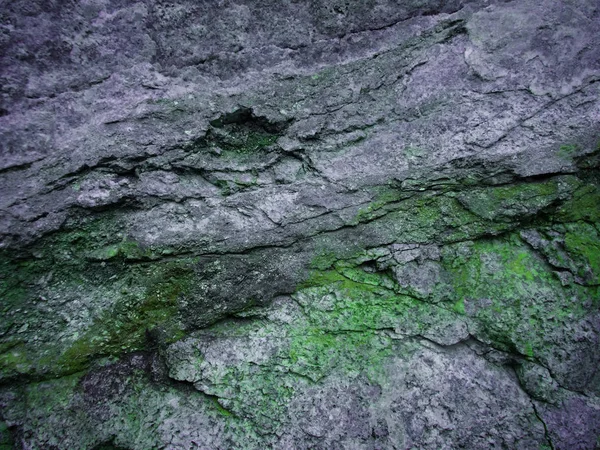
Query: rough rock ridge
[[300, 224]]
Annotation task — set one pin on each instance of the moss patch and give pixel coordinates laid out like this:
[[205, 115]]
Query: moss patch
[[445, 216], [568, 151], [515, 297], [147, 304], [583, 205], [507, 202], [582, 241], [125, 327], [340, 330]]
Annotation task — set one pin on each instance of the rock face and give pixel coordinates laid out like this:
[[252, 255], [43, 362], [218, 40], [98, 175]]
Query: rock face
[[300, 224]]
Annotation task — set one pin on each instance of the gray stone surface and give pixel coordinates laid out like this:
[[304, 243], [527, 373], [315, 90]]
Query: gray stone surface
[[300, 224]]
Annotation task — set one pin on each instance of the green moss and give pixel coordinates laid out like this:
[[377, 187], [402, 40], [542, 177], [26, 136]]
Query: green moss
[[323, 260], [370, 212], [511, 292], [499, 203], [258, 392], [101, 238], [94, 254], [427, 212], [323, 278], [51, 395], [358, 307], [567, 151], [148, 302], [348, 307], [459, 306], [96, 238], [16, 280], [383, 197], [361, 277], [129, 250], [124, 328], [316, 353], [15, 361], [582, 241], [584, 205]]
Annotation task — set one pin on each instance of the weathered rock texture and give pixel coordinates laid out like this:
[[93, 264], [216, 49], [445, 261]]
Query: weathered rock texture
[[300, 224]]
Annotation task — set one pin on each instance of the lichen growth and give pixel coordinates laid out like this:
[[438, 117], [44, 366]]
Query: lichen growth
[[568, 151], [583, 205], [343, 317], [146, 299], [513, 294], [125, 327], [582, 241], [506, 202], [347, 317]]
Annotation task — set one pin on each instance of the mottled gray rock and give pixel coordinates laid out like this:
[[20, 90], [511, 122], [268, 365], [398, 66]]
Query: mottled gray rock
[[574, 424], [299, 224]]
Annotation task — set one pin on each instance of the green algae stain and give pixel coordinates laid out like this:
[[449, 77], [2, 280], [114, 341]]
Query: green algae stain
[[251, 144], [346, 305], [218, 408], [347, 310], [79, 264], [356, 307], [323, 260], [568, 151], [338, 333], [126, 249], [583, 205], [383, 197], [317, 353], [6, 439], [103, 238], [16, 279], [51, 395], [241, 142], [582, 241], [459, 306], [149, 305], [124, 328], [258, 392], [344, 317], [447, 216], [512, 293], [508, 201], [499, 269], [506, 285], [529, 349]]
